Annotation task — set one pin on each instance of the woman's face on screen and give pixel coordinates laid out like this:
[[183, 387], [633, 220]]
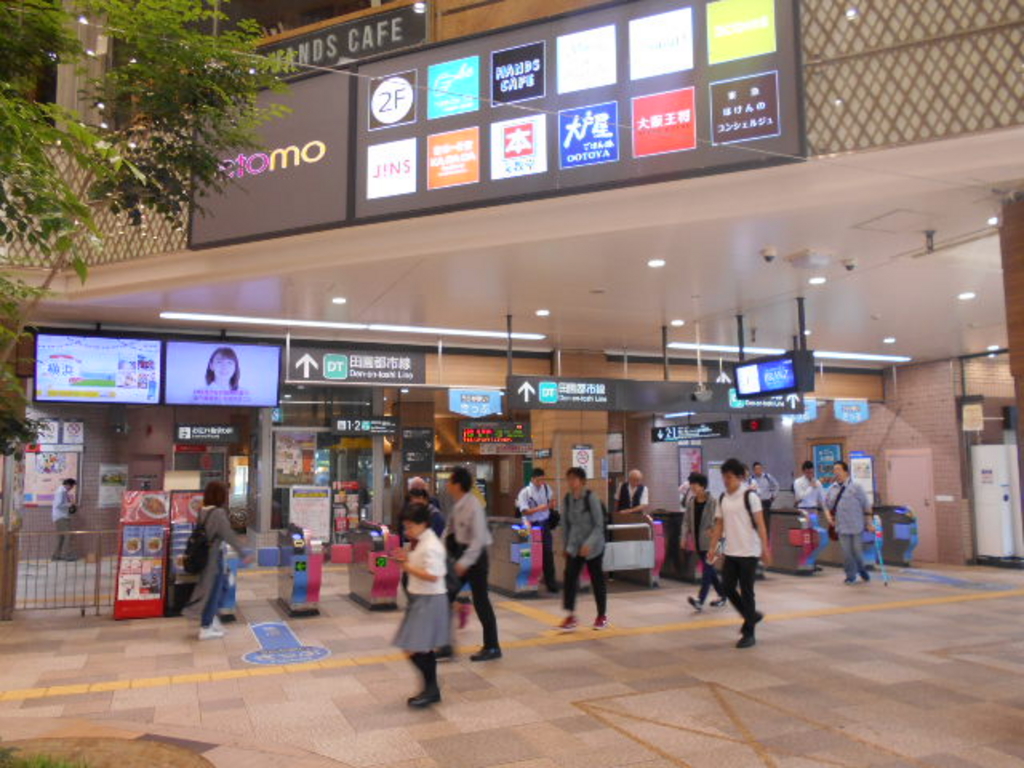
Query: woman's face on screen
[[223, 367]]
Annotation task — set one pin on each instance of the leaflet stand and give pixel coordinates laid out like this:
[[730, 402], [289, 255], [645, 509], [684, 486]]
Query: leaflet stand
[[142, 563]]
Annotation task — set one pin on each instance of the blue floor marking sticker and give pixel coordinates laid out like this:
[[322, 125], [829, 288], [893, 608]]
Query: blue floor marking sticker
[[279, 645], [929, 577]]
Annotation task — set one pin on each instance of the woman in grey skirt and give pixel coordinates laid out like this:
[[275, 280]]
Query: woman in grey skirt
[[427, 622]]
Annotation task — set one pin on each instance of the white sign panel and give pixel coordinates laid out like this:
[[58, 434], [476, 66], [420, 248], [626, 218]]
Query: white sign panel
[[391, 169], [587, 59], [310, 508], [519, 147], [661, 44], [583, 457]]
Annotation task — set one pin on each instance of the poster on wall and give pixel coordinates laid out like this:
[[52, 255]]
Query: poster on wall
[[49, 432], [44, 473], [73, 433], [862, 470], [691, 459], [113, 484], [294, 458], [310, 509], [583, 457], [824, 455]]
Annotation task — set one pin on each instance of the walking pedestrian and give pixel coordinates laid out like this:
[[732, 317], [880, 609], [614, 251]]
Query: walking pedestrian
[[205, 602], [63, 508], [466, 540], [427, 623], [584, 547], [699, 521], [767, 487], [740, 521], [534, 504], [849, 510]]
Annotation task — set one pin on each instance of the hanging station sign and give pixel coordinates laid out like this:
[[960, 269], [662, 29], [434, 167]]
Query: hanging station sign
[[682, 432], [322, 365]]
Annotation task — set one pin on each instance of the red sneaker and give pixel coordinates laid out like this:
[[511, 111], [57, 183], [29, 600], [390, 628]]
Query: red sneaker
[[569, 624], [601, 622]]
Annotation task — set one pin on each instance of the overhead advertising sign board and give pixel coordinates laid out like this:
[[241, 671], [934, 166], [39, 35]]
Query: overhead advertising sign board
[[474, 402], [379, 425], [620, 95], [339, 44], [791, 403], [494, 432], [676, 433], [323, 365], [297, 180]]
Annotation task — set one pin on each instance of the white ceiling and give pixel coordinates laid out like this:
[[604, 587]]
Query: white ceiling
[[470, 269]]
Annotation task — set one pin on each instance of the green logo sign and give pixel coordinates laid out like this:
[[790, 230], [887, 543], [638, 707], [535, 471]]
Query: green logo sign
[[740, 29], [336, 367]]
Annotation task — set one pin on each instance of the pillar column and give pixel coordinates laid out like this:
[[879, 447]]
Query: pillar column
[[1011, 242]]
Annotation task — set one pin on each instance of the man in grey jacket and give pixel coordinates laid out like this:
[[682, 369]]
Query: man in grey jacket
[[466, 539], [701, 510], [583, 518], [849, 510]]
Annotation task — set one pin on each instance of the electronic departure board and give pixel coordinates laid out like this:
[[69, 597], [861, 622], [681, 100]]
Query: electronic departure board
[[494, 432]]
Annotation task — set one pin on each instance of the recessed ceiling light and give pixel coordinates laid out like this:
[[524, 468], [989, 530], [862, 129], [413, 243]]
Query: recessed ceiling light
[[404, 390], [678, 323], [656, 263], [889, 340], [339, 300], [725, 348], [967, 296], [807, 332], [543, 312], [852, 13], [287, 397], [838, 102], [993, 347], [818, 280], [419, 7], [993, 221]]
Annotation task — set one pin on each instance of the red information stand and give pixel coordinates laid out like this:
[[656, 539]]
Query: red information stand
[[142, 565]]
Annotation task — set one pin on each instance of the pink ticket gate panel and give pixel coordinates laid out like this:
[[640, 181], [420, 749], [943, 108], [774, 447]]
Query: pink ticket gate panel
[[374, 580]]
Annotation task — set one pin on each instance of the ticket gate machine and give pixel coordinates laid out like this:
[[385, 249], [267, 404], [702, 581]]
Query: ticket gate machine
[[794, 541], [636, 548], [300, 574], [680, 564], [516, 557], [899, 539], [374, 576]]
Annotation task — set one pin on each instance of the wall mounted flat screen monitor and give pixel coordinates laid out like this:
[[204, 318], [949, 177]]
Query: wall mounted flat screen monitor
[[222, 373], [97, 369], [767, 376]]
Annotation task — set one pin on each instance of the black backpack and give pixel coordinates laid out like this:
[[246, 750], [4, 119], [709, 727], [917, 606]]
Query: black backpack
[[746, 503], [197, 549]]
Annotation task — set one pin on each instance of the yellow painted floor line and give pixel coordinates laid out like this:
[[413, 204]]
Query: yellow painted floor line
[[530, 612], [546, 639]]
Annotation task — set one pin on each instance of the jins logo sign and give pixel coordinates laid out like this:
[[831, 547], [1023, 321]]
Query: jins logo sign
[[279, 159]]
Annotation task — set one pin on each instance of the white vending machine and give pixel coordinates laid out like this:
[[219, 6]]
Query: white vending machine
[[997, 502]]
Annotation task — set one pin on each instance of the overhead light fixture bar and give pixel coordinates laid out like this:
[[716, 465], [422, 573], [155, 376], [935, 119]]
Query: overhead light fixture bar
[[724, 348], [863, 357], [820, 355], [278, 322]]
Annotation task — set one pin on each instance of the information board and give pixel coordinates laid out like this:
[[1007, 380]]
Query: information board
[[626, 94], [97, 369], [328, 365], [494, 432], [380, 425], [417, 450], [680, 432]]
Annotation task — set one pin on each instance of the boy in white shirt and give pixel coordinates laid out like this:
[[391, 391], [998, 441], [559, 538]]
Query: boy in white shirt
[[740, 521]]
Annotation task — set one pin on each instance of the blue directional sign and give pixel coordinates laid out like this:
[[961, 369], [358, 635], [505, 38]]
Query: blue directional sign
[[474, 402]]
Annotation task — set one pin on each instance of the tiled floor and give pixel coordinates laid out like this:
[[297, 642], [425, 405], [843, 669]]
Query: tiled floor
[[926, 672]]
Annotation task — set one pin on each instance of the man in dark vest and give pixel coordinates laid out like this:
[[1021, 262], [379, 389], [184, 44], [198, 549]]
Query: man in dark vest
[[633, 496]]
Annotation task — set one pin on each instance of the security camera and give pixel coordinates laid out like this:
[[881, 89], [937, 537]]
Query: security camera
[[849, 264], [768, 253], [701, 395]]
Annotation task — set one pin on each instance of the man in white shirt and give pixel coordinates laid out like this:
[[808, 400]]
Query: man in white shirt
[[767, 487], [63, 508], [535, 505], [740, 521], [808, 491], [633, 496]]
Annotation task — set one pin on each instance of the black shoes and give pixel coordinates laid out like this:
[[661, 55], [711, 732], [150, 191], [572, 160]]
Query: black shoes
[[425, 699], [486, 654], [720, 602], [444, 653], [747, 641]]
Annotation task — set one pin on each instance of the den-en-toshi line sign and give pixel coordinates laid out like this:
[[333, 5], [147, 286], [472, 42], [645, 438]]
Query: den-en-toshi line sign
[[321, 365]]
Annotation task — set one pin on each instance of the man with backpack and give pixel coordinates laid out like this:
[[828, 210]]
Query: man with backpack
[[739, 520], [583, 517]]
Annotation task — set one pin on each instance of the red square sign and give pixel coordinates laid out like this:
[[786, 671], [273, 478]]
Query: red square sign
[[519, 141], [664, 122]]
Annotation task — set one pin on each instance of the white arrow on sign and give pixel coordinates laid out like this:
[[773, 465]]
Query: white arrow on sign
[[526, 389], [793, 400], [305, 362]]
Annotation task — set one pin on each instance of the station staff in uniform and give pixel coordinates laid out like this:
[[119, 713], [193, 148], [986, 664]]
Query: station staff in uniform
[[534, 504], [633, 496], [767, 487], [849, 510], [466, 540]]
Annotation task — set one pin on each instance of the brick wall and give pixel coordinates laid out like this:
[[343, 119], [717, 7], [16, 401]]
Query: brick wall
[[919, 411]]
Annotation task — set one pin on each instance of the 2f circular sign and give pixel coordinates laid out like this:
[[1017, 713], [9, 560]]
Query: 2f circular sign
[[393, 100]]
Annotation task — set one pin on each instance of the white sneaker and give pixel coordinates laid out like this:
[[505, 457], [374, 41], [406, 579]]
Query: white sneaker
[[216, 624], [210, 633]]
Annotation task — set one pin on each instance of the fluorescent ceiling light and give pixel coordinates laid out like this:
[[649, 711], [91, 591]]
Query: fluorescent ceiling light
[[377, 328], [725, 348], [543, 312], [867, 358], [993, 347], [656, 263], [679, 415], [339, 300], [678, 323], [967, 296], [889, 340], [993, 221], [819, 280]]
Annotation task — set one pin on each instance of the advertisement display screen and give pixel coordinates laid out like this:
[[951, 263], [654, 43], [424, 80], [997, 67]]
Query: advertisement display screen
[[222, 373], [773, 376], [298, 179], [97, 369], [638, 92]]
